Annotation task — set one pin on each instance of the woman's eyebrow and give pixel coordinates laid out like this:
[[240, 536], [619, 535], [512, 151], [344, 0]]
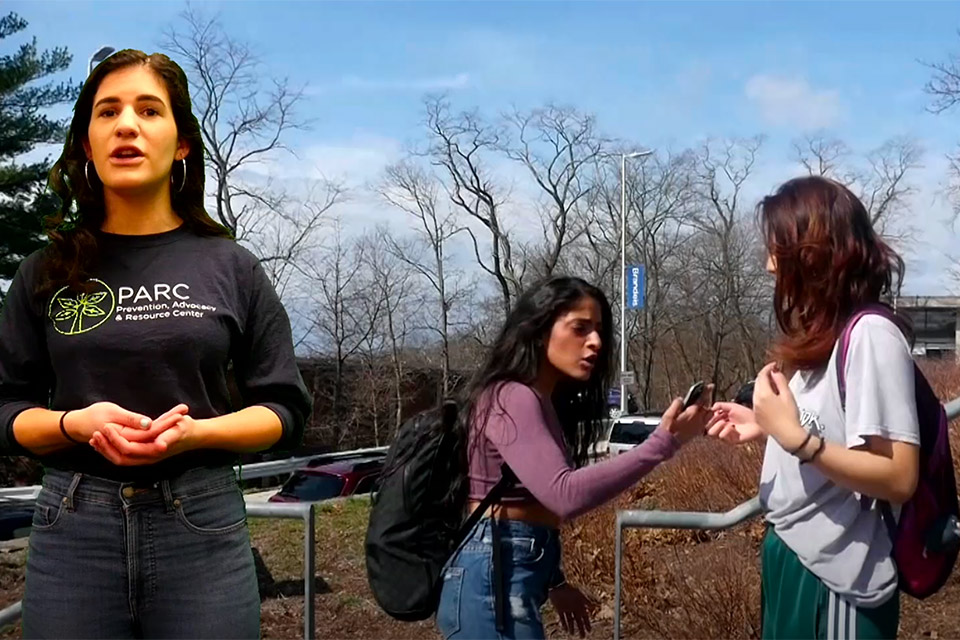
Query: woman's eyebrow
[[146, 97]]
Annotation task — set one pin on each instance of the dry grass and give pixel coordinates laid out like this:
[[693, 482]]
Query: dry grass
[[344, 605], [684, 584], [679, 584]]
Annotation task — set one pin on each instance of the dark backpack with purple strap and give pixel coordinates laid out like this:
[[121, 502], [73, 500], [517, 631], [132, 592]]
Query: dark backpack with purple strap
[[925, 539]]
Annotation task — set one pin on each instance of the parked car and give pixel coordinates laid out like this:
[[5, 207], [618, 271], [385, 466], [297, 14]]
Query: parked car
[[15, 521], [331, 480], [629, 431]]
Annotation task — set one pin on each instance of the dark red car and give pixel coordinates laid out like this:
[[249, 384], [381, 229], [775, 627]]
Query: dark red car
[[331, 480]]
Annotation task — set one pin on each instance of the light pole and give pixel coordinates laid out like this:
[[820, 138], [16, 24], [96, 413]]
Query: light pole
[[99, 56], [623, 271]]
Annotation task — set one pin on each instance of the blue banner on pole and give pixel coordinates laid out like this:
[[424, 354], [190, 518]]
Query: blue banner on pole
[[635, 286]]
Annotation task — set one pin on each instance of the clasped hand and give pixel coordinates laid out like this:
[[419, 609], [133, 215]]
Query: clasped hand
[[126, 438]]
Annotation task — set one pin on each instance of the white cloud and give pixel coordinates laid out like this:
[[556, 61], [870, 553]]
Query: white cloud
[[424, 84], [436, 83], [356, 163], [501, 58], [792, 102], [356, 160], [41, 153]]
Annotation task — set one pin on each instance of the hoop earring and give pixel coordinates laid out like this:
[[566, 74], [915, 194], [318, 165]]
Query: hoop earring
[[86, 174], [183, 181]]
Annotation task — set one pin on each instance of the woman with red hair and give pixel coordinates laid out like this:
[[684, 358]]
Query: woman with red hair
[[827, 566]]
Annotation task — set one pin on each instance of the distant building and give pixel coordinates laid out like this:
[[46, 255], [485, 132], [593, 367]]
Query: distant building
[[934, 318]]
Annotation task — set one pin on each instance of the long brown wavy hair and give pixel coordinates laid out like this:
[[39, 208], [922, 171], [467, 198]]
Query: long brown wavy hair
[[73, 253], [829, 262]]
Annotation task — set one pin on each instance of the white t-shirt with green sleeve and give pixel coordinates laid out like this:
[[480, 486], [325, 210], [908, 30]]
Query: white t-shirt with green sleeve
[[838, 534]]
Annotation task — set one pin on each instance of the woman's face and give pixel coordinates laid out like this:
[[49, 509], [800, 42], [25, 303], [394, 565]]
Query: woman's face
[[574, 344], [132, 137]]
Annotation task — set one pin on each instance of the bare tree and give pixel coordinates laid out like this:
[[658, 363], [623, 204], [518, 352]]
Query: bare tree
[[458, 145], [944, 89], [559, 146], [822, 156], [244, 120], [880, 179], [340, 321], [954, 271], [944, 84], [662, 193], [953, 184], [727, 259], [372, 393], [410, 189], [659, 189], [388, 303], [885, 189], [289, 233]]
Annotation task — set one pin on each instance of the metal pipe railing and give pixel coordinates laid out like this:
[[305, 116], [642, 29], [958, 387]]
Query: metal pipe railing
[[672, 520], [639, 519], [304, 511], [300, 511], [10, 615], [289, 465]]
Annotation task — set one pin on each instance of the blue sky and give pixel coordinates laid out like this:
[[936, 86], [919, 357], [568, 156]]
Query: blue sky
[[663, 74]]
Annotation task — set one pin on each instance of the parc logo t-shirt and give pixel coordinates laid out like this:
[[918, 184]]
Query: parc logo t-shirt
[[166, 318]]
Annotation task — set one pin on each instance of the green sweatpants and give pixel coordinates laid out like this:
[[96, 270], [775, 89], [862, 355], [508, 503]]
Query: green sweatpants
[[795, 604]]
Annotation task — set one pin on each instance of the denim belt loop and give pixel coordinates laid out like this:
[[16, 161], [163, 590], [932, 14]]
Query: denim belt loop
[[74, 483], [169, 503]]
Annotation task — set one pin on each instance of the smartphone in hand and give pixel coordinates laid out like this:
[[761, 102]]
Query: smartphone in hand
[[693, 394]]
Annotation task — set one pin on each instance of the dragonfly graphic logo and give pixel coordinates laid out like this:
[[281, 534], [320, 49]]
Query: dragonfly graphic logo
[[73, 314]]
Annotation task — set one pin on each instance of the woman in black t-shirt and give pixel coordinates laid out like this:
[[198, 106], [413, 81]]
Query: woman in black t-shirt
[[117, 342]]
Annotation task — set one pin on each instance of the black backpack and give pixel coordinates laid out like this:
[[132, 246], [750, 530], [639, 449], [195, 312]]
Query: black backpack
[[413, 529]]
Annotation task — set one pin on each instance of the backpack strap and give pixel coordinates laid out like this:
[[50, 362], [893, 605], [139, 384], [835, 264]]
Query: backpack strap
[[843, 345], [842, 348], [507, 480]]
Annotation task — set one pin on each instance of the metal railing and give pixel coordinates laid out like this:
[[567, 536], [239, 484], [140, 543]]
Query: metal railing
[[301, 511], [28, 495], [289, 465], [306, 513], [10, 614], [638, 519], [642, 519]]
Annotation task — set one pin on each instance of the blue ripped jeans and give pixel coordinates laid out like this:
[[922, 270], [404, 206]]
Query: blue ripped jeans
[[530, 555]]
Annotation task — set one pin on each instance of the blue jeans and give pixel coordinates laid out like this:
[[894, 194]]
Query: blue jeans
[[530, 554], [118, 560]]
